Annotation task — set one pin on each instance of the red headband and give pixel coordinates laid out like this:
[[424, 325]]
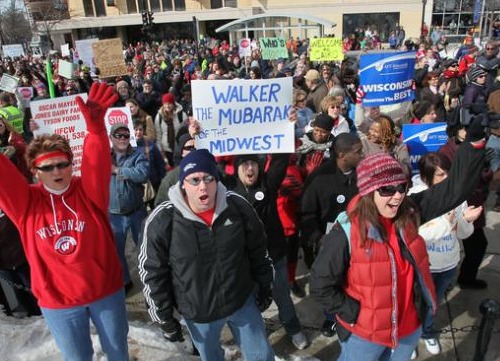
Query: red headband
[[49, 155]]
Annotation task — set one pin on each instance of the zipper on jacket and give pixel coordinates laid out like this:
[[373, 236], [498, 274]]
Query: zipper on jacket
[[394, 295]]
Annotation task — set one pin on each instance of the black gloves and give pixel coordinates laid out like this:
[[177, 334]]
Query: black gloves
[[172, 330], [264, 298]]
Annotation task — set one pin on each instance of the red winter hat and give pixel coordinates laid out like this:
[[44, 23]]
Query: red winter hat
[[378, 170], [168, 98]]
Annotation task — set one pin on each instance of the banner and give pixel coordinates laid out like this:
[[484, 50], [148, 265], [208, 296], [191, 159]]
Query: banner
[[108, 55], [326, 49], [244, 48], [423, 138], [13, 50], [120, 115], [387, 78], [273, 48], [9, 83], [62, 116], [244, 116]]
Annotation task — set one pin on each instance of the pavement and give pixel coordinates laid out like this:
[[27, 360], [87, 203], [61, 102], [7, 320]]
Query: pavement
[[458, 316]]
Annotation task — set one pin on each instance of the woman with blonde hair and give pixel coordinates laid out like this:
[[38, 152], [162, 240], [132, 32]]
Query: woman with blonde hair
[[140, 115]]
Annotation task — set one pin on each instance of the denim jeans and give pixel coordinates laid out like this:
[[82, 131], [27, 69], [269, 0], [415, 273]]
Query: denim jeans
[[70, 328], [441, 282], [494, 143], [247, 327], [282, 298], [120, 224], [356, 348]]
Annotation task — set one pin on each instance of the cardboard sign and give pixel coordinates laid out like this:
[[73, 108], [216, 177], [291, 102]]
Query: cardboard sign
[[423, 138], [66, 69], [9, 83], [62, 116], [13, 50], [326, 49], [273, 48], [244, 48], [121, 115], [387, 78], [108, 55], [244, 116]]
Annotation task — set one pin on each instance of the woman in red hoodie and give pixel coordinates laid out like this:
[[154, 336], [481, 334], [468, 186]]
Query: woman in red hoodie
[[75, 270]]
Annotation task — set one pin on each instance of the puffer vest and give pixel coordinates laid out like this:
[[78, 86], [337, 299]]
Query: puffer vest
[[371, 279]]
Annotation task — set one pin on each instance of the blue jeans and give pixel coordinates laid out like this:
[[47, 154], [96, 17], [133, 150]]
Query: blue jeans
[[494, 143], [442, 280], [70, 328], [281, 296], [247, 327], [120, 224], [356, 348]]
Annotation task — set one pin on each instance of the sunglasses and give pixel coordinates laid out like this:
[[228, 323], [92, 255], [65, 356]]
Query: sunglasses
[[197, 180], [335, 106], [51, 167], [189, 147], [121, 136], [454, 66], [482, 76], [389, 191], [300, 100], [490, 48]]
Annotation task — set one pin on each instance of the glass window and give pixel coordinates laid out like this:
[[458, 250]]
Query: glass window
[[167, 5], [180, 5], [384, 23], [88, 8], [155, 5], [131, 7], [99, 8], [215, 4]]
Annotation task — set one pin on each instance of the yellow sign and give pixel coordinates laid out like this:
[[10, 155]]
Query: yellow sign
[[326, 49], [108, 55]]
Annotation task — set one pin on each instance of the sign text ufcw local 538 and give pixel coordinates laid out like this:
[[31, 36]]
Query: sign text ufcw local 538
[[244, 116], [387, 78]]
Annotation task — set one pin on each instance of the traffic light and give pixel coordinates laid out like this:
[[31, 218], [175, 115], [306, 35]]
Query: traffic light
[[145, 16], [150, 18]]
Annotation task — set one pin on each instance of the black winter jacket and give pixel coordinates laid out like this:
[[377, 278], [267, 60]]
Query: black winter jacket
[[206, 273]]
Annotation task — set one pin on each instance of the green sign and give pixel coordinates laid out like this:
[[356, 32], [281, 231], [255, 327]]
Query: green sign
[[273, 48]]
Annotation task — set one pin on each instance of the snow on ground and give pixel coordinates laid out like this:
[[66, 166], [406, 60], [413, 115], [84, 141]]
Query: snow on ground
[[28, 339]]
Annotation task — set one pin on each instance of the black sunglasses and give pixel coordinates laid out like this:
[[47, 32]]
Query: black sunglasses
[[121, 136], [50, 167], [389, 191], [197, 180], [189, 147]]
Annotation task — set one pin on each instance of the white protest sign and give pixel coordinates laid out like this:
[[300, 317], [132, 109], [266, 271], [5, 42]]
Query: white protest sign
[[66, 69], [244, 49], [65, 50], [85, 54], [121, 115], [26, 93], [62, 116], [9, 83], [13, 50], [244, 116]]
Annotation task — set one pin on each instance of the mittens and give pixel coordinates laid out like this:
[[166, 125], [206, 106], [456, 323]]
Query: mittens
[[101, 97]]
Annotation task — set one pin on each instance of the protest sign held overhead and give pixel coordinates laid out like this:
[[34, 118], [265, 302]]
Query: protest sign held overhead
[[326, 49], [423, 138], [387, 78], [121, 115], [244, 48], [13, 50], [9, 83], [108, 57], [273, 48], [244, 116], [62, 116]]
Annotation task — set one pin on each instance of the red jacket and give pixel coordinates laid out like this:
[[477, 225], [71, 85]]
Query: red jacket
[[371, 279], [67, 238]]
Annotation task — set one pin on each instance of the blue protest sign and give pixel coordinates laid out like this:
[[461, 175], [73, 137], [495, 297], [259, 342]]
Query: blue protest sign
[[387, 78], [423, 138]]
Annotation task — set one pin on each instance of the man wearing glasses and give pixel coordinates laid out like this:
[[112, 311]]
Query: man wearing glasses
[[204, 254], [489, 61], [129, 171]]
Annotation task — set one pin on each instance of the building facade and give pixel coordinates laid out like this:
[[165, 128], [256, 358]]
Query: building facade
[[69, 20]]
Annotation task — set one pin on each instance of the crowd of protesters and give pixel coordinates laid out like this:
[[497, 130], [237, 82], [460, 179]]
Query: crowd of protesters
[[204, 253]]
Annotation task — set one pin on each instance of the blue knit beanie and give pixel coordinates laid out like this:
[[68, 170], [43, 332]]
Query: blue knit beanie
[[200, 160]]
